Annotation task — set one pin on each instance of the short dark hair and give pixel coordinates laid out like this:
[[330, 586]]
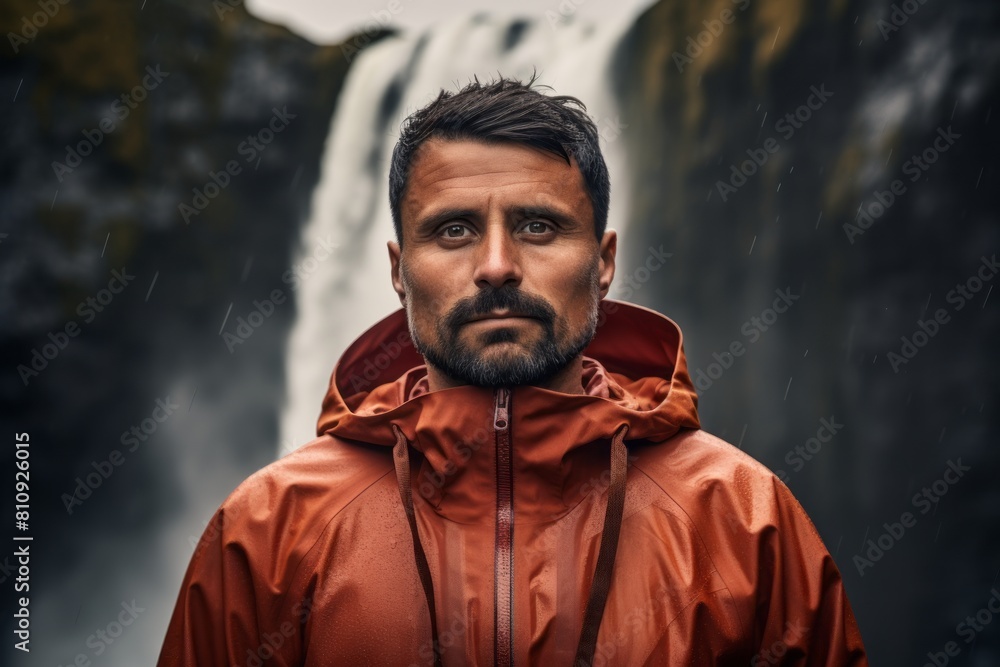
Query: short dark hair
[[505, 111]]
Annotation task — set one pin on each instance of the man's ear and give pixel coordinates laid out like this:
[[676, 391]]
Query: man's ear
[[606, 264], [397, 282]]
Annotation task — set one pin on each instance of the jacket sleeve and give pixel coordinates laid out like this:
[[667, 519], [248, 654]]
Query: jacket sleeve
[[803, 615], [224, 601]]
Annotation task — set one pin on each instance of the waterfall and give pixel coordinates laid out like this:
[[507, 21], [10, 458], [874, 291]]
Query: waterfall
[[339, 296]]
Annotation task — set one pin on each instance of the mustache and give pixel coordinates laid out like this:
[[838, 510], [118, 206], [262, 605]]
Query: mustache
[[492, 298]]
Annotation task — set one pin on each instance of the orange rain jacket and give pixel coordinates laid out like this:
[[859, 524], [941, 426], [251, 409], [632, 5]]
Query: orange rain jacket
[[472, 526]]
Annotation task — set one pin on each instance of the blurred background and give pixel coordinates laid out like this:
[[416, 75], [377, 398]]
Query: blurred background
[[193, 220]]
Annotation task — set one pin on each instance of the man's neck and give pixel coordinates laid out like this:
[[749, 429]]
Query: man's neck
[[568, 381]]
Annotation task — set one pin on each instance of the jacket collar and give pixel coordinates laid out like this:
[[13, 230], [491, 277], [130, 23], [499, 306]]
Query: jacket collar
[[634, 373]]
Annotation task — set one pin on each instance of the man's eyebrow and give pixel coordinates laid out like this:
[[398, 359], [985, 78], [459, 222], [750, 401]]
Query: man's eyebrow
[[542, 212], [426, 224]]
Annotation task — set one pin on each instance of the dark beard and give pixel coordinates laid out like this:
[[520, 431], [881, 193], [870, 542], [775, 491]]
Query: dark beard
[[485, 368]]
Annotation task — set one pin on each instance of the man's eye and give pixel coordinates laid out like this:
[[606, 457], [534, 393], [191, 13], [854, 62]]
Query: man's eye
[[454, 231], [537, 227]]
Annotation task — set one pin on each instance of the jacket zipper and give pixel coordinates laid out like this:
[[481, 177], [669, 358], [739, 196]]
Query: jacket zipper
[[503, 559]]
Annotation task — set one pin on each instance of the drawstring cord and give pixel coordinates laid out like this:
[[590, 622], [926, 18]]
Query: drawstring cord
[[605, 558], [401, 462]]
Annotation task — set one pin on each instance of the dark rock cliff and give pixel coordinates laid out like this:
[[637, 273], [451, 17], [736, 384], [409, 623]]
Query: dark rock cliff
[[751, 201], [112, 295]]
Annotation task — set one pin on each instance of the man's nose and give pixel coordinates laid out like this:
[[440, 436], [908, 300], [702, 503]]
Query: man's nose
[[499, 260]]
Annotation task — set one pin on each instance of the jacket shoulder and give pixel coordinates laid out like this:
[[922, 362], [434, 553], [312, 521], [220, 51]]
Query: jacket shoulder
[[327, 470], [281, 511], [243, 573], [785, 585], [694, 461], [719, 488]]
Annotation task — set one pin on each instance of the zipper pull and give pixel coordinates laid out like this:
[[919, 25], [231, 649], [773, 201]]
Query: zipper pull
[[501, 420]]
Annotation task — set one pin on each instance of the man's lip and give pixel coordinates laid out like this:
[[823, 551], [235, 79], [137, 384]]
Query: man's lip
[[503, 316]]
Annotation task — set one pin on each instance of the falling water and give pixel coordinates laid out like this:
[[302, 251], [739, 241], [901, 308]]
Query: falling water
[[340, 296]]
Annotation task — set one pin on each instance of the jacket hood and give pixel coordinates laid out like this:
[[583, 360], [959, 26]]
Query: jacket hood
[[634, 373]]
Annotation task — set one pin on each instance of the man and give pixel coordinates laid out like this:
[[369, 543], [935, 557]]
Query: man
[[509, 469]]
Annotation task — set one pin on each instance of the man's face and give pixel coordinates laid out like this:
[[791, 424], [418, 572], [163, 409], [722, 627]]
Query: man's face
[[500, 272]]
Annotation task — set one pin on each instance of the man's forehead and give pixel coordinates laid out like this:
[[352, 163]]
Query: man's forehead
[[439, 153], [446, 169]]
